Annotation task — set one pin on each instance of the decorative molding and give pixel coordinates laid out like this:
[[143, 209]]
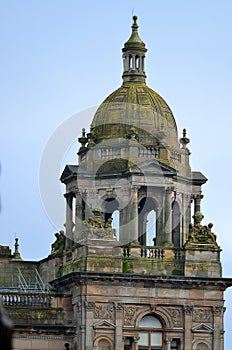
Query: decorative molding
[[89, 305], [104, 311], [129, 314], [176, 315], [218, 310], [202, 328], [202, 314]]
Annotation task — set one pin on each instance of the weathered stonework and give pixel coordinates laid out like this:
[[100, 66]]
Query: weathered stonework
[[157, 275]]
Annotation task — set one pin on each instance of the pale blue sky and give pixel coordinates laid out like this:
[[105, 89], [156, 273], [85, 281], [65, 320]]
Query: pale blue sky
[[60, 57]]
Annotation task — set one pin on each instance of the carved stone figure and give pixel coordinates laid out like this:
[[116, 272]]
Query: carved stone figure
[[200, 234]]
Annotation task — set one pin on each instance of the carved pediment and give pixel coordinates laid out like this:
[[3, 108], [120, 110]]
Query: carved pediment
[[156, 167], [103, 324], [68, 172], [202, 328]]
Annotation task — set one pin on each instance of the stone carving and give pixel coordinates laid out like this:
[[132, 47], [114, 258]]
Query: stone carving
[[89, 305], [96, 227], [218, 310], [129, 314], [176, 315], [188, 309], [59, 244], [201, 314], [103, 310], [199, 234]]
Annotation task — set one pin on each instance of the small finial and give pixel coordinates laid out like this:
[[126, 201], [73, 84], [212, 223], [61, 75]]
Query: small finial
[[184, 140], [16, 254], [83, 139], [134, 25]]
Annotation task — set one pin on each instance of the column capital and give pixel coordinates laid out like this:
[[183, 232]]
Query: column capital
[[198, 196], [188, 309], [69, 195]]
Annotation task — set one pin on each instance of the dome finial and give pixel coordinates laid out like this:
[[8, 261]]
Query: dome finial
[[135, 25]]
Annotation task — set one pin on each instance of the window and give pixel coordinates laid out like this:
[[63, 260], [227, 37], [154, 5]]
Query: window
[[175, 344], [150, 334], [128, 343]]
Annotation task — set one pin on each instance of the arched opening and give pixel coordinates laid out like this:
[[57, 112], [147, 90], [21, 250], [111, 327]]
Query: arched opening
[[176, 224], [151, 228], [148, 222], [115, 222], [202, 346], [151, 335], [110, 205], [103, 344], [130, 62], [137, 63]]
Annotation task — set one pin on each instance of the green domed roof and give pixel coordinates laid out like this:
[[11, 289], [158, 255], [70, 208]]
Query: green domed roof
[[134, 106]]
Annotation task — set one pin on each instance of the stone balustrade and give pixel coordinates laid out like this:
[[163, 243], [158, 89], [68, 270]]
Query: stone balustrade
[[26, 299]]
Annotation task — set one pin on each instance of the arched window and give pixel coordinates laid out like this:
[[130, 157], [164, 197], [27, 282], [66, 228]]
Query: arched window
[[150, 334], [137, 63], [130, 62]]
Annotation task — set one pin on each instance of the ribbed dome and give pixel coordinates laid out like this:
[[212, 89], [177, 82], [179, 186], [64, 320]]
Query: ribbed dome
[[135, 105], [134, 110]]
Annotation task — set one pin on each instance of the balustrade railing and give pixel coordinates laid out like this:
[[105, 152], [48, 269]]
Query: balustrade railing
[[25, 299], [154, 253]]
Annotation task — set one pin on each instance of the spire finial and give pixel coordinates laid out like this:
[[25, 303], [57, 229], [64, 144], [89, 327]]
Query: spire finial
[[135, 25]]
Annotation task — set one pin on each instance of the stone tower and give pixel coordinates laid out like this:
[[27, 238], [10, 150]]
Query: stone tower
[[136, 268], [156, 281]]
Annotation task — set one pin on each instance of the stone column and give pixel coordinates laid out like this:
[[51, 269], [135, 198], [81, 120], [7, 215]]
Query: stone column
[[69, 217], [133, 62], [159, 226], [89, 325], [188, 310], [168, 217], [186, 214], [136, 342], [168, 344], [118, 343], [78, 216], [133, 225], [218, 339]]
